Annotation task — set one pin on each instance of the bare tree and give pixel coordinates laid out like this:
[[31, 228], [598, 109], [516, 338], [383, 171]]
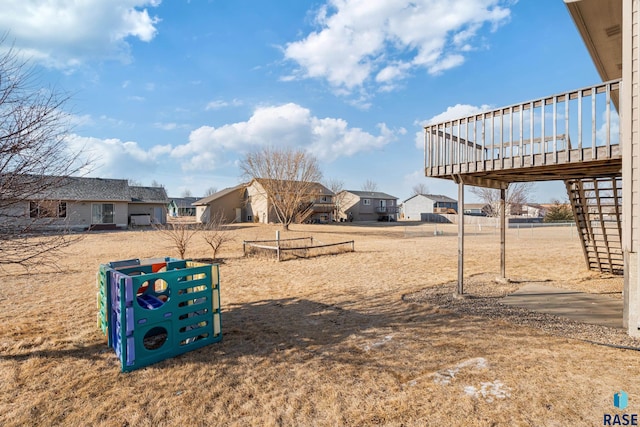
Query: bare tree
[[178, 235], [370, 185], [215, 233], [155, 183], [187, 193], [516, 195], [420, 188], [134, 182], [336, 186], [209, 191], [35, 162], [289, 178]]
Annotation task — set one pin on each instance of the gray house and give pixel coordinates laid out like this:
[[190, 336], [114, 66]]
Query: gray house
[[182, 206], [421, 206], [91, 203], [366, 206]]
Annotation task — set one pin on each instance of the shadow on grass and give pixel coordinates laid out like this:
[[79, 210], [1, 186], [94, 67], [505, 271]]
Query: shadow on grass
[[94, 352], [271, 328]]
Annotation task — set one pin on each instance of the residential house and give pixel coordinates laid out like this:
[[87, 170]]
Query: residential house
[[147, 204], [420, 206], [229, 203], [477, 209], [259, 209], [84, 203], [367, 206], [182, 206], [529, 210]]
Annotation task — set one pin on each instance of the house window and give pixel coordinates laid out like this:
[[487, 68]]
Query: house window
[[249, 217], [325, 199], [366, 202], [102, 213], [390, 202], [48, 209]]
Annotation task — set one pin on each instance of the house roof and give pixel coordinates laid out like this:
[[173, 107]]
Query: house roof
[[439, 198], [533, 205], [148, 194], [80, 188], [74, 188], [217, 195], [435, 198], [372, 194], [183, 201], [476, 205]]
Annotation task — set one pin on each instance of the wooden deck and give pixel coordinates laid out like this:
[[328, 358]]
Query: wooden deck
[[573, 164], [573, 136], [566, 136]]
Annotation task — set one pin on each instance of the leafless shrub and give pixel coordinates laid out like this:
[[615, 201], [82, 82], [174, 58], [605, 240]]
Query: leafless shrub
[[179, 235], [215, 233]]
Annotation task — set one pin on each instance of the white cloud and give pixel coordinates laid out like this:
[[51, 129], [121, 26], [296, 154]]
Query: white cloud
[[166, 126], [283, 125], [219, 104], [457, 111], [385, 39], [114, 158], [210, 148], [65, 33]]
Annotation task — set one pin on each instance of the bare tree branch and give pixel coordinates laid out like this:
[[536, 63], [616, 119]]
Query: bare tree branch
[[337, 187], [34, 162], [370, 185], [178, 235], [420, 188], [289, 177], [517, 195], [209, 191]]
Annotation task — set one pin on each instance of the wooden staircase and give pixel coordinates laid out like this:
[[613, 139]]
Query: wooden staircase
[[596, 205]]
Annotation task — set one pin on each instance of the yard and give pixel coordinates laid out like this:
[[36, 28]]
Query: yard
[[330, 340]]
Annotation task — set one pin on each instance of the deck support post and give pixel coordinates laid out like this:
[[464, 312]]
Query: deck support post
[[460, 289], [503, 228]]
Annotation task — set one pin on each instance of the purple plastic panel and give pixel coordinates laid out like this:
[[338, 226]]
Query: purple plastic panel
[[128, 290], [130, 322], [131, 351]]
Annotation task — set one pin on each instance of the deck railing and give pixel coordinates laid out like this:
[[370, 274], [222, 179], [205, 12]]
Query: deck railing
[[576, 126]]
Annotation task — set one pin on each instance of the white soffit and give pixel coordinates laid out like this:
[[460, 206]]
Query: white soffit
[[600, 25]]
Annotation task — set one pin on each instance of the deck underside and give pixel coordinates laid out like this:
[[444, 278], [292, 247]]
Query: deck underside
[[573, 164]]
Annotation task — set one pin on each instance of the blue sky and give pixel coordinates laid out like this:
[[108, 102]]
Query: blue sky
[[177, 91]]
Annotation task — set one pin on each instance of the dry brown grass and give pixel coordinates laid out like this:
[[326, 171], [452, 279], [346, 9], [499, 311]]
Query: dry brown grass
[[319, 341]]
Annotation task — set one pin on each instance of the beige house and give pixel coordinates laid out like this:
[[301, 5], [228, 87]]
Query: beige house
[[259, 209], [367, 206], [249, 203], [90, 203], [228, 202]]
